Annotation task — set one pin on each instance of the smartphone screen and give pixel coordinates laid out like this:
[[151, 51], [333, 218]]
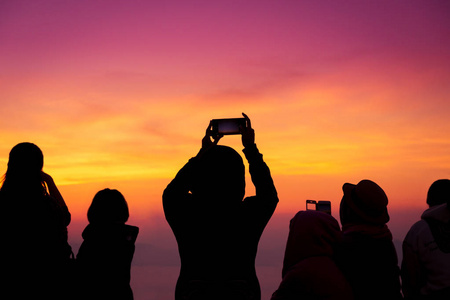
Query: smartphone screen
[[311, 204], [227, 126], [322, 205]]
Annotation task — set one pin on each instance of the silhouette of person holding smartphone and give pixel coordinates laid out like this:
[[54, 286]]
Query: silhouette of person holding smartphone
[[309, 267], [105, 256], [34, 252], [218, 231]]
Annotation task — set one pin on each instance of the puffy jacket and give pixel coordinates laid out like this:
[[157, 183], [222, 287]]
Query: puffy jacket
[[426, 256]]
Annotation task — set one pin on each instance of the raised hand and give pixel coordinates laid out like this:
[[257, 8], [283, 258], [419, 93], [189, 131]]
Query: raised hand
[[247, 132], [207, 143]]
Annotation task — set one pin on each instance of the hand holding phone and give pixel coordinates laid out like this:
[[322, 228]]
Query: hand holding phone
[[323, 206], [220, 127], [206, 141], [248, 134], [227, 126], [53, 189]]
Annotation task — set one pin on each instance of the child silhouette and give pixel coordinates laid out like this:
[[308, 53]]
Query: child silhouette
[[105, 256]]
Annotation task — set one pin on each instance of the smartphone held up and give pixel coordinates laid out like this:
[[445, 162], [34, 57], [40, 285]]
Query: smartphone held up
[[321, 205], [227, 126]]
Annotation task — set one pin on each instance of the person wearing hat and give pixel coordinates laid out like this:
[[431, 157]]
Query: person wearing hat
[[426, 248], [367, 254]]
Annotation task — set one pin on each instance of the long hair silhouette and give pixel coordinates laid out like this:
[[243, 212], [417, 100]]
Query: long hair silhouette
[[24, 170]]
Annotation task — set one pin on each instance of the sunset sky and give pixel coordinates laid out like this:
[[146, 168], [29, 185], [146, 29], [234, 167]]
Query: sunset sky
[[118, 93]]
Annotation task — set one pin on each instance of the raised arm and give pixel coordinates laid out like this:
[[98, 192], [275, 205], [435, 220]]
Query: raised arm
[[261, 177], [55, 194], [178, 189], [259, 171]]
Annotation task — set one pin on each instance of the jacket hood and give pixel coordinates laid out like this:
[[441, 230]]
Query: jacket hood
[[438, 219], [311, 233], [438, 213], [220, 175]]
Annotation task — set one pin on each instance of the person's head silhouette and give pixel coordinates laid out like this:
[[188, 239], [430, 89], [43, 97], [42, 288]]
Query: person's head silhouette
[[108, 207], [24, 169], [25, 158], [220, 176], [439, 192], [364, 203], [311, 233]]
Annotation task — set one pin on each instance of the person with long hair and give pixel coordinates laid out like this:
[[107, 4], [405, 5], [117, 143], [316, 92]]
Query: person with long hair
[[33, 226]]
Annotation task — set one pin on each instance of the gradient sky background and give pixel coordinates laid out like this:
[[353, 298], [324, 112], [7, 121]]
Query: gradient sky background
[[118, 94]]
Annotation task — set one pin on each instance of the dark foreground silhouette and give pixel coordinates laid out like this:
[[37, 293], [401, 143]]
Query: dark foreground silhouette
[[367, 254], [426, 248], [218, 234], [34, 253], [310, 271], [216, 229], [104, 258]]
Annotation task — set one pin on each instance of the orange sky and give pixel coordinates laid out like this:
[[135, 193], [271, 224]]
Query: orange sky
[[122, 92]]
